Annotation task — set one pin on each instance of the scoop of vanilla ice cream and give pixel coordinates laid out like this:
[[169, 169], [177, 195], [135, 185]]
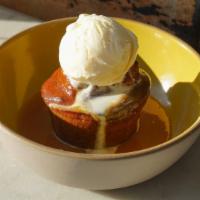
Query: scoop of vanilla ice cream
[[97, 50]]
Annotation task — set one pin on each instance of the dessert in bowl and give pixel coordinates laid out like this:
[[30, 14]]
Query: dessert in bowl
[[96, 96], [29, 59]]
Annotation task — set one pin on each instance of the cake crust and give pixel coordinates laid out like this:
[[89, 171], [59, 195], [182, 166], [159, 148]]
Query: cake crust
[[80, 129]]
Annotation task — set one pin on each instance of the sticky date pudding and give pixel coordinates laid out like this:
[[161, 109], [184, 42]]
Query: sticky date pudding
[[96, 96], [111, 127]]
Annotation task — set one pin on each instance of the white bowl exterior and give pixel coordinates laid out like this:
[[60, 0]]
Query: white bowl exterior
[[93, 173]]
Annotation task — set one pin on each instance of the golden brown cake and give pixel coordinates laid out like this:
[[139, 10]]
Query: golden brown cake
[[84, 129]]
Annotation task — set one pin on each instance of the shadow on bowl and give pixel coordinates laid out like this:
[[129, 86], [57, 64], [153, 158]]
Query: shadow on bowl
[[175, 98], [179, 182]]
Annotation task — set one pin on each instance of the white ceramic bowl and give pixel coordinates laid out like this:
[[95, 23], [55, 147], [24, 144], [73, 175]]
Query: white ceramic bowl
[[29, 58]]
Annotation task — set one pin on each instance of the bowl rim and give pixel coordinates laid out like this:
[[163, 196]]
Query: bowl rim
[[177, 139]]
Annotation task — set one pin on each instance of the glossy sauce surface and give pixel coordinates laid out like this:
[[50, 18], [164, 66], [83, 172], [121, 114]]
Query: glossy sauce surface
[[34, 123]]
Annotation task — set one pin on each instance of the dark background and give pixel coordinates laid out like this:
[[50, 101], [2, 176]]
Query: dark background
[[180, 17]]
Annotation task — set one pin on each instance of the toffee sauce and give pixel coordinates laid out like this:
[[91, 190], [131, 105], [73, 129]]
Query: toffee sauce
[[34, 123]]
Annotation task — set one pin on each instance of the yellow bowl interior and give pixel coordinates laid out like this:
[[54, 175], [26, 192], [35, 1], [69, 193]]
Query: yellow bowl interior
[[28, 59]]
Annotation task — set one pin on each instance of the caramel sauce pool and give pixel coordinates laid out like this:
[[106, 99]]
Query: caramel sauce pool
[[34, 123]]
